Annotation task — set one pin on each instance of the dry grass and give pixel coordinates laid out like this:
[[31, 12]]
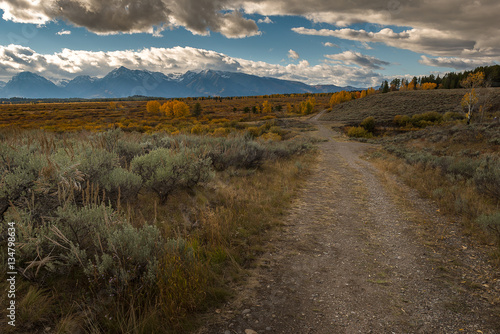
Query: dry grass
[[461, 149]]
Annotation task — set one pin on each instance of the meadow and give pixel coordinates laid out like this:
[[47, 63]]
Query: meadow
[[131, 220], [133, 115]]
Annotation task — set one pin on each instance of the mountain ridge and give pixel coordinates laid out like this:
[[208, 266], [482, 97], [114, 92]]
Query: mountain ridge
[[123, 82]]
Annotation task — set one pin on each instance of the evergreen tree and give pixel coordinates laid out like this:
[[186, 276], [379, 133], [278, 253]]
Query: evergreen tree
[[385, 88]]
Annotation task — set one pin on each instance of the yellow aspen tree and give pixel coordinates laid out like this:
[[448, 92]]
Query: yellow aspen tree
[[266, 107], [428, 86], [470, 99], [153, 107], [168, 109], [180, 108]]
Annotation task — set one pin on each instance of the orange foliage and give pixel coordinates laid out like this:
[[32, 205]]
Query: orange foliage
[[428, 86]]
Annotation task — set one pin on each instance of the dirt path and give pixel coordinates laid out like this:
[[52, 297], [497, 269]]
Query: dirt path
[[351, 259]]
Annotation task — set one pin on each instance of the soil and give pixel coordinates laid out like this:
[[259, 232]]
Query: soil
[[359, 252]]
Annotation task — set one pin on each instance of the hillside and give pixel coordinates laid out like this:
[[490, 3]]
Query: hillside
[[385, 106]]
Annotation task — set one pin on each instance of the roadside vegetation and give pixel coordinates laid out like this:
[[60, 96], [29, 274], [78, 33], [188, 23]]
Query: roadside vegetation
[[125, 231]]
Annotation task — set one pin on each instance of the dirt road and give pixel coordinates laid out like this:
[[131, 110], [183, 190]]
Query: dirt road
[[353, 257]]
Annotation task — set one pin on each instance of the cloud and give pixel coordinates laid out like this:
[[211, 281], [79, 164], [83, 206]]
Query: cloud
[[429, 41], [356, 58], [453, 62], [266, 20], [329, 44], [127, 16], [68, 63], [63, 32], [293, 54], [444, 28]]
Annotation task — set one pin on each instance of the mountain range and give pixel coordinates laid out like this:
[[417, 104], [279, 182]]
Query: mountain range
[[123, 82]]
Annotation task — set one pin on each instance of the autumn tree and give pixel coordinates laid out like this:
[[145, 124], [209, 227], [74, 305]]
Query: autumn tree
[[470, 99], [340, 97], [153, 107], [428, 86], [266, 107], [307, 107], [175, 108]]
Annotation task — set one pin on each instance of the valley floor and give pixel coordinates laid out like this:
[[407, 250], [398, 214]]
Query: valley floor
[[360, 252]]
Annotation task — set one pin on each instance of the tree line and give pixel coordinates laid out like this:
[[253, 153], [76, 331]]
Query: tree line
[[450, 80]]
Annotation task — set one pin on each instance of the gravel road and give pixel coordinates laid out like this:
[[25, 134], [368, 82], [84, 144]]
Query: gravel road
[[355, 255]]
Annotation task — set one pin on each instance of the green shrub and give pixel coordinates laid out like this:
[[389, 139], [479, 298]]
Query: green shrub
[[109, 139], [163, 170], [127, 150], [94, 241], [97, 162], [286, 149], [491, 222], [402, 120], [426, 119], [358, 132], [20, 170], [121, 182], [234, 152], [368, 124], [131, 257]]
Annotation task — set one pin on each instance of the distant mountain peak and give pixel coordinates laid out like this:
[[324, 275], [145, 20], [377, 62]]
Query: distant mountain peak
[[124, 82]]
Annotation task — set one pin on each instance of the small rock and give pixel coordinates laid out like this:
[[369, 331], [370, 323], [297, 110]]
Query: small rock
[[245, 311], [268, 329], [250, 331], [227, 332]]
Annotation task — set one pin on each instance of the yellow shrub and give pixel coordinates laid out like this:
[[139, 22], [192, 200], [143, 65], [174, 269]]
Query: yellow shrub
[[358, 132], [270, 136], [254, 131], [199, 129], [221, 132]]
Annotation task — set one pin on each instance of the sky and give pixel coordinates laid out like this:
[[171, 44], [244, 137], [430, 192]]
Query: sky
[[341, 42]]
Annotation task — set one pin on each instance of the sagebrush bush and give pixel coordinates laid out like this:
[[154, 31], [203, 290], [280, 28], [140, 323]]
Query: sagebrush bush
[[93, 240], [163, 170], [286, 149], [127, 150], [130, 257], [121, 184], [234, 152], [491, 222], [97, 162]]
